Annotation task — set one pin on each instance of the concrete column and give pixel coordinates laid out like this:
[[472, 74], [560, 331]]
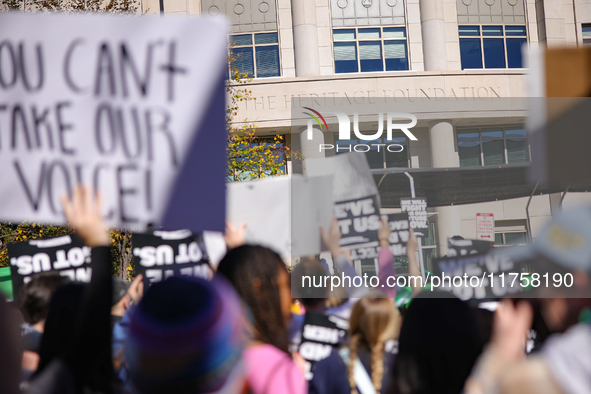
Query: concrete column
[[310, 148], [305, 38], [441, 136], [433, 33]]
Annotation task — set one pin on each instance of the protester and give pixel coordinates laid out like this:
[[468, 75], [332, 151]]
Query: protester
[[187, 336], [261, 279], [80, 362], [365, 362], [438, 346], [563, 364], [33, 300], [10, 350], [124, 294]]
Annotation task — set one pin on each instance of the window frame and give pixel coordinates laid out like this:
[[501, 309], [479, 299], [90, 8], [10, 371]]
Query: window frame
[[254, 46], [480, 139], [482, 37], [586, 41], [383, 149], [381, 39]]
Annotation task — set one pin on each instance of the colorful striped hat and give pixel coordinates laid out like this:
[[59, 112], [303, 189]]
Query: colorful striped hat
[[187, 336]]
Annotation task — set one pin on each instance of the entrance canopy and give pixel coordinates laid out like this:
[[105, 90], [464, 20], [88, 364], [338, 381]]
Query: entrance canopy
[[462, 185]]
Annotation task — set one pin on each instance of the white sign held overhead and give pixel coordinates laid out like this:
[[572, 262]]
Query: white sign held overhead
[[282, 213], [485, 226], [120, 104]]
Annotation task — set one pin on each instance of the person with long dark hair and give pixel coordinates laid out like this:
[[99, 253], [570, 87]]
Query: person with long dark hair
[[260, 277], [439, 344]]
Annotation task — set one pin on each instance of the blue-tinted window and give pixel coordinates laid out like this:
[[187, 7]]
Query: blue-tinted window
[[259, 60], [345, 57], [494, 53], [370, 56], [492, 146], [491, 46], [470, 53], [469, 31], [514, 52], [395, 55], [244, 60], [370, 49], [267, 61]]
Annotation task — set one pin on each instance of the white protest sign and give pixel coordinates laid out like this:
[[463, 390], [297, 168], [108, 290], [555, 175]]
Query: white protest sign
[[108, 101], [271, 220], [355, 195], [485, 226]]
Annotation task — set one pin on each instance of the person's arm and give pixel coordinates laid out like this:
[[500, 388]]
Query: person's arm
[[386, 259], [92, 341], [413, 264], [331, 240]]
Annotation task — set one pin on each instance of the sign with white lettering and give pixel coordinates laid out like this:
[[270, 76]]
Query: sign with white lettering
[[398, 238], [320, 335], [65, 255], [133, 107], [359, 221], [417, 214], [163, 254]]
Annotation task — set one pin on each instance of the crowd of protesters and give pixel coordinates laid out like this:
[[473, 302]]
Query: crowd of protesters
[[238, 332]]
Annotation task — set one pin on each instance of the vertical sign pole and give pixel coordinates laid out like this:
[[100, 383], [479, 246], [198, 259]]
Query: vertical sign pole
[[419, 240], [161, 7]]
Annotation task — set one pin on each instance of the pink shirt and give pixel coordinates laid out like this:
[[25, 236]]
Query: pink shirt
[[272, 371]]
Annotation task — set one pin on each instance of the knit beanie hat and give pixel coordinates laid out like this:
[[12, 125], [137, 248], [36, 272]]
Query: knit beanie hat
[[187, 336]]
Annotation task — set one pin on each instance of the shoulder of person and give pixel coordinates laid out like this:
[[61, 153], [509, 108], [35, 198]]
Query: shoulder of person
[[530, 376]]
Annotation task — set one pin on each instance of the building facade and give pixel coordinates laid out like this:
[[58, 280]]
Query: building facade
[[305, 53]]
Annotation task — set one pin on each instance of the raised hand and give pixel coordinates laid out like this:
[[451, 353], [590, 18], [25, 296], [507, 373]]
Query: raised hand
[[83, 213]]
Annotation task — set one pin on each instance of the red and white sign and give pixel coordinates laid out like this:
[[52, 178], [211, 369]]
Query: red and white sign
[[485, 226]]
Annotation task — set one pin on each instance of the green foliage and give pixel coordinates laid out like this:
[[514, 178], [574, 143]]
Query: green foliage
[[12, 233], [111, 6]]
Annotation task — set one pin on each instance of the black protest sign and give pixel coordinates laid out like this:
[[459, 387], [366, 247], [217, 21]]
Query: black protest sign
[[399, 226], [416, 207], [163, 254], [65, 255], [478, 276], [116, 103], [320, 334], [463, 247], [359, 221]]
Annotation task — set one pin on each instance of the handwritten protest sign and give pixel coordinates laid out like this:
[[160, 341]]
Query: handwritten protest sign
[[170, 253], [117, 103], [417, 213], [65, 255]]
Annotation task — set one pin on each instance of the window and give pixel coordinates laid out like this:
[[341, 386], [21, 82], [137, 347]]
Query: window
[[511, 238], [379, 156], [492, 146], [492, 46], [256, 54], [370, 49], [587, 34]]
